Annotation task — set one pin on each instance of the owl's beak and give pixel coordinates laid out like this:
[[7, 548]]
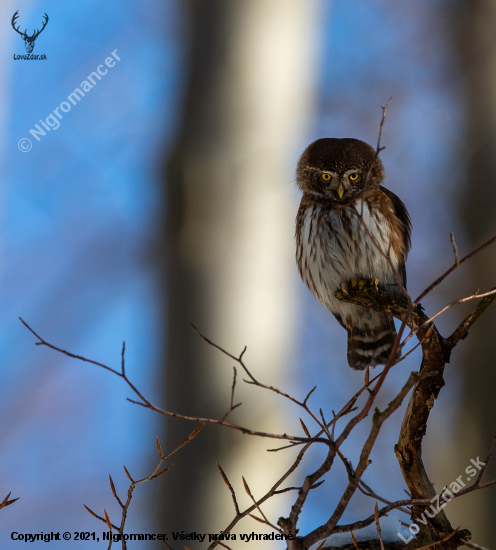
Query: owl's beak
[[340, 190]]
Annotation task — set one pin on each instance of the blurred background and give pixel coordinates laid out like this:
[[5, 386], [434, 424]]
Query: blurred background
[[167, 197]]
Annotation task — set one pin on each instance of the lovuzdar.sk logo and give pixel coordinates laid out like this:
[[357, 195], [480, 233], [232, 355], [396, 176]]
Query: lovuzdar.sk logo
[[29, 40]]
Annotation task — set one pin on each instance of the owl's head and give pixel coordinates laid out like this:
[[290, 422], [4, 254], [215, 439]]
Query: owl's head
[[337, 168]]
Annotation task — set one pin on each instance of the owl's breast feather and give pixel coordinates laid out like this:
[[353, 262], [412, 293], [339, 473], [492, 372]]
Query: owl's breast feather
[[333, 247]]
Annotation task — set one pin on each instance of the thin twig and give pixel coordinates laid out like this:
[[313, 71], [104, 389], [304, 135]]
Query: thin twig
[[135, 483], [268, 495], [473, 545], [232, 406], [455, 250], [407, 502], [454, 303], [378, 525], [444, 539], [354, 540], [379, 418], [368, 491], [7, 502], [286, 490], [149, 405], [347, 409], [377, 151], [69, 354], [462, 329], [228, 483], [265, 520], [441, 278], [419, 343], [254, 381], [123, 361], [488, 458]]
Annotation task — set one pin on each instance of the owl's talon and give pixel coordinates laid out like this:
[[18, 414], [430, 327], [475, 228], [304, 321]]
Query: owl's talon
[[345, 288], [360, 284], [365, 284]]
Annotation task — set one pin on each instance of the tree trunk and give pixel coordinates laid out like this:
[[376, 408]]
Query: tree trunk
[[230, 259], [476, 425]]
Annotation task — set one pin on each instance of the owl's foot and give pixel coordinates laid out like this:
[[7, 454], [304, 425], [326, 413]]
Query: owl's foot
[[345, 287], [373, 284], [360, 284]]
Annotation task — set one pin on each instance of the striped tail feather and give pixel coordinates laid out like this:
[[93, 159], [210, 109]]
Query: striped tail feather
[[371, 346]]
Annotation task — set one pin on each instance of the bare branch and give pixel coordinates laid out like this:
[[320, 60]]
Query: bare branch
[[44, 343], [455, 250], [309, 394], [367, 490], [7, 502], [452, 268], [123, 361], [483, 469], [473, 545], [228, 483], [377, 151], [97, 516], [444, 539], [462, 330], [354, 540], [148, 404], [272, 491], [255, 382], [135, 483], [265, 520], [232, 406], [435, 351], [378, 525], [112, 487], [492, 293], [402, 503], [379, 418]]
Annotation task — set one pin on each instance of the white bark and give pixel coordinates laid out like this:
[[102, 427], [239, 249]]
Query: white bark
[[231, 268]]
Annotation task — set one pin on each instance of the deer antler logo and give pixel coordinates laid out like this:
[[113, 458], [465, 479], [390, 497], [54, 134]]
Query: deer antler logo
[[28, 40]]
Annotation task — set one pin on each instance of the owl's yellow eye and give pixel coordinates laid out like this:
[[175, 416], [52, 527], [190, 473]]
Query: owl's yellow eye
[[354, 177], [326, 177]]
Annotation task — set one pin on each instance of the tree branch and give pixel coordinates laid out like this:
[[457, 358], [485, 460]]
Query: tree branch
[[435, 352]]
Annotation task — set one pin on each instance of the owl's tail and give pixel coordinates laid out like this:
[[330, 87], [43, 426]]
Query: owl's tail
[[371, 346]]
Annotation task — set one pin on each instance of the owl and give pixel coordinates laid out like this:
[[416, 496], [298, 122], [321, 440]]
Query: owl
[[334, 248]]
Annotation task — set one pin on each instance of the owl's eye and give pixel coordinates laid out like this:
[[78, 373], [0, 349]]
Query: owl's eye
[[326, 177], [354, 177]]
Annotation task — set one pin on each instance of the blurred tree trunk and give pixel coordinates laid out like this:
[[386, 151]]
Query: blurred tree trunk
[[230, 259], [476, 425]]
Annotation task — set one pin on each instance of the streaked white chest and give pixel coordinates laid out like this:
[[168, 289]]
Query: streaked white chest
[[335, 247]]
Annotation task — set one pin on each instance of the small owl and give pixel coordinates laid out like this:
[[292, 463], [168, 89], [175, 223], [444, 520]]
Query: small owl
[[334, 250]]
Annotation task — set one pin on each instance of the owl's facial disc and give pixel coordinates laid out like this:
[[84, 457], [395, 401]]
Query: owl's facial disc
[[337, 168], [340, 186]]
